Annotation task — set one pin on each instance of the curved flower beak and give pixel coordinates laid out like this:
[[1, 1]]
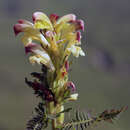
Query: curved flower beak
[[21, 28]]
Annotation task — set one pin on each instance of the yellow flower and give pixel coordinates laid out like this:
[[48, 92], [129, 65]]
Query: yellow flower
[[75, 50], [30, 32], [40, 56]]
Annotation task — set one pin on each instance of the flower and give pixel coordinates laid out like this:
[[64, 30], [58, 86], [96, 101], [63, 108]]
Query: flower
[[75, 50], [40, 55], [30, 32]]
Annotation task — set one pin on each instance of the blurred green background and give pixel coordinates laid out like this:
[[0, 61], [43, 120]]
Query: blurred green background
[[102, 77]]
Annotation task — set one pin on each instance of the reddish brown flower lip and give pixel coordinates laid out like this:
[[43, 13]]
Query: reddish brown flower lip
[[78, 36], [21, 21], [71, 85], [79, 24], [67, 65], [35, 16], [17, 29], [54, 17], [29, 48]]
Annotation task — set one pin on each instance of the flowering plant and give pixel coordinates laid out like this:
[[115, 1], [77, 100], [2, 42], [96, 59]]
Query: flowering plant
[[51, 41]]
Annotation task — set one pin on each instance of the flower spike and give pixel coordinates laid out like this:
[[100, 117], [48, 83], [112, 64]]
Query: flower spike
[[50, 41]]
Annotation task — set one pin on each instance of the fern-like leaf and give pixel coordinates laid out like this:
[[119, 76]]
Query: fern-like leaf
[[39, 121], [82, 120]]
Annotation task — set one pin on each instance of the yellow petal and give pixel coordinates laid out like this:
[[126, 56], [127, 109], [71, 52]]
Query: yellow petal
[[26, 39], [43, 25]]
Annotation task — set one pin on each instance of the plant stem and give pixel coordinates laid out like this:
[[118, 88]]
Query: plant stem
[[53, 110], [53, 125]]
